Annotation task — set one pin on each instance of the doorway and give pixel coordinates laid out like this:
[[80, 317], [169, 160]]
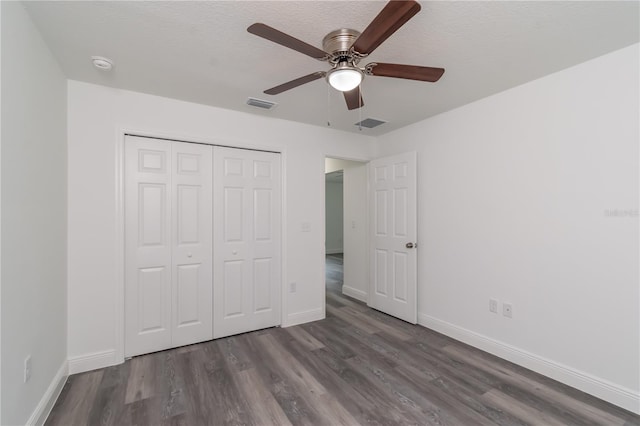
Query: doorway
[[379, 232], [346, 253]]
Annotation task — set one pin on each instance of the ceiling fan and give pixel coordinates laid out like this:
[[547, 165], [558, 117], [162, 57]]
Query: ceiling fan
[[345, 48]]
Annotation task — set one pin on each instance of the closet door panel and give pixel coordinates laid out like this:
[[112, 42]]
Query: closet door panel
[[246, 240], [233, 289], [192, 277], [147, 245], [168, 282]]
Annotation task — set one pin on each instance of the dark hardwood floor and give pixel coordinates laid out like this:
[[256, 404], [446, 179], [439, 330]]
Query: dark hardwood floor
[[358, 366]]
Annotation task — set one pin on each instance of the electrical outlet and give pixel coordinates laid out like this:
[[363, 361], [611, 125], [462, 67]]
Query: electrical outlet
[[507, 310], [493, 306], [27, 368], [292, 287]]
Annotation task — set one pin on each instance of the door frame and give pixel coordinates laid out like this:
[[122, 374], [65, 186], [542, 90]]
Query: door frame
[[365, 161], [121, 134]]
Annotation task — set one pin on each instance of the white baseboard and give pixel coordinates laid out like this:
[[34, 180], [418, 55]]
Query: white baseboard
[[303, 317], [355, 293], [334, 251], [48, 400], [601, 388], [92, 361]]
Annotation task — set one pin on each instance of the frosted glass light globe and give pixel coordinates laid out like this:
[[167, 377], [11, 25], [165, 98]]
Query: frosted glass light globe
[[345, 78]]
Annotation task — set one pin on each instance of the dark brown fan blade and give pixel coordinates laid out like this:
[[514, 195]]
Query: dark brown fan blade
[[394, 15], [411, 72], [353, 98], [271, 34], [295, 83]]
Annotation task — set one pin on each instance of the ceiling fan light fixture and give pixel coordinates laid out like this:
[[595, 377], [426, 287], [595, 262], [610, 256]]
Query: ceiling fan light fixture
[[345, 77]]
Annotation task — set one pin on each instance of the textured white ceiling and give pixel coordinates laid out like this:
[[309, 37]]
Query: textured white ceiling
[[201, 51]]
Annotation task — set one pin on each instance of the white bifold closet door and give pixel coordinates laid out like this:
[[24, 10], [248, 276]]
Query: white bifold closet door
[[168, 244], [178, 289], [247, 240]]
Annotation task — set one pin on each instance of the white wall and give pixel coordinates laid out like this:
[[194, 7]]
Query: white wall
[[356, 249], [96, 115], [333, 217], [34, 218], [335, 164], [0, 217], [516, 200]]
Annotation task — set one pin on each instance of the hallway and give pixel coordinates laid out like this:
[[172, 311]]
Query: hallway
[[334, 273]]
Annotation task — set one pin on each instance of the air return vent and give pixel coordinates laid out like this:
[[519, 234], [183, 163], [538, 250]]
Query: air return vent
[[370, 123], [259, 103]]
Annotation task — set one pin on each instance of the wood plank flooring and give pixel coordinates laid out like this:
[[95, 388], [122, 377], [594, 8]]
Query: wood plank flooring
[[356, 367]]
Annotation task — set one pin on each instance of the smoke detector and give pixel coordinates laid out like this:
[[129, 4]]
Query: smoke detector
[[102, 63]]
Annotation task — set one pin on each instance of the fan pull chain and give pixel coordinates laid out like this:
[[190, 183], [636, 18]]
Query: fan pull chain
[[360, 108], [328, 106]]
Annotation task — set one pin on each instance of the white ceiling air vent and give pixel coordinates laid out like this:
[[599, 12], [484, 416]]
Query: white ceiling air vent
[[259, 103], [370, 123]]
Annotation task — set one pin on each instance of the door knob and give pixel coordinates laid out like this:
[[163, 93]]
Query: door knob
[[189, 255], [411, 245]]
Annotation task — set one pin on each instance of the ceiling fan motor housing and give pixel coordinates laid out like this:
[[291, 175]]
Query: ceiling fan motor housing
[[338, 44]]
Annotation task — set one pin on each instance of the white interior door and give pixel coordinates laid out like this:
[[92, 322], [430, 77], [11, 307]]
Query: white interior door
[[247, 222], [393, 232], [168, 244]]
